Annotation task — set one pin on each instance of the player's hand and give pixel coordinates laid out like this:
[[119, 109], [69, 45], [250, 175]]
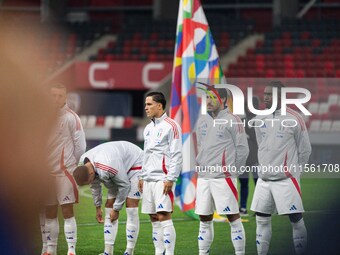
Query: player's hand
[[99, 215], [140, 185], [114, 215], [167, 187]]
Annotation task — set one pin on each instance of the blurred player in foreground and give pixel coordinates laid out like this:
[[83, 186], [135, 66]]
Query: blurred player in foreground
[[26, 122], [287, 148], [117, 165], [66, 146], [161, 167]]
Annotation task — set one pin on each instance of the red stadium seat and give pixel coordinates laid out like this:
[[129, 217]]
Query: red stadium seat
[[305, 35], [100, 121], [289, 73], [109, 57], [300, 73], [128, 122], [270, 73]]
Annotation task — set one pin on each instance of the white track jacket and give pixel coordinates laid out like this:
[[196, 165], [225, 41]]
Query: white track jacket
[[283, 144], [115, 163], [67, 144], [224, 145], [162, 150]]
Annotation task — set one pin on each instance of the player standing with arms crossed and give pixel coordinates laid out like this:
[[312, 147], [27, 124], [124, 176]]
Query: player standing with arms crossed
[[66, 147], [287, 148], [161, 167], [223, 145], [117, 165]]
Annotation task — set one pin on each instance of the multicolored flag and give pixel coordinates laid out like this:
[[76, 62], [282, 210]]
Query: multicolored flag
[[196, 60]]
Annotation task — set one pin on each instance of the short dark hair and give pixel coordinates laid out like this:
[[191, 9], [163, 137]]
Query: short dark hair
[[223, 93], [276, 84], [158, 97], [81, 175]]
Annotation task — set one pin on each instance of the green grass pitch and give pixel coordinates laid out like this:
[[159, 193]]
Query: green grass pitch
[[317, 199]]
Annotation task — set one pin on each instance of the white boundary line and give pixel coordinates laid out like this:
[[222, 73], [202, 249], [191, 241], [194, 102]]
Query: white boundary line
[[84, 192]]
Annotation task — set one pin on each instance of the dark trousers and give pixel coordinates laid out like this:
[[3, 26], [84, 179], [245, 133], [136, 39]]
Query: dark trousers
[[244, 187]]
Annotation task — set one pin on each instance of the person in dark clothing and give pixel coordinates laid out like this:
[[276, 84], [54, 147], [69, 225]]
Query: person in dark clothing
[[252, 160]]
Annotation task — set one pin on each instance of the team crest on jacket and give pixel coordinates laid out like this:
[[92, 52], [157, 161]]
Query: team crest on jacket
[[159, 134]]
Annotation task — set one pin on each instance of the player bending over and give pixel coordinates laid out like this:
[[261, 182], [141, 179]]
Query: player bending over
[[117, 165]]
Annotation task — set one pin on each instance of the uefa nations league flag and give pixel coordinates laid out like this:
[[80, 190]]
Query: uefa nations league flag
[[196, 60]]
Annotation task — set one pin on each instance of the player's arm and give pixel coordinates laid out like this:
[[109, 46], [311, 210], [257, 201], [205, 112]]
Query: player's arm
[[96, 190], [143, 172], [304, 148], [78, 137], [241, 144], [198, 135], [122, 182], [258, 134], [175, 154]]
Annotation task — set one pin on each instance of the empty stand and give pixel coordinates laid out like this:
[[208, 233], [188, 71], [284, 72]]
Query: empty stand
[[296, 49], [144, 39]]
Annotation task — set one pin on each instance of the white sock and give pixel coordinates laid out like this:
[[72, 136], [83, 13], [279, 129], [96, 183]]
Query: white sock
[[169, 236], [110, 232], [205, 237], [157, 237], [70, 230], [238, 236], [132, 229], [263, 234], [43, 234], [299, 237], [52, 232]]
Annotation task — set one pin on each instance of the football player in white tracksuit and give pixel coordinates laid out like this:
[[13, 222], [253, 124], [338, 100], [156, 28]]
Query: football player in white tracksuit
[[117, 165], [66, 147], [284, 148], [225, 146], [161, 167]]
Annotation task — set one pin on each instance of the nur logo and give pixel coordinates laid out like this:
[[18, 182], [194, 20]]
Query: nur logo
[[239, 99]]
